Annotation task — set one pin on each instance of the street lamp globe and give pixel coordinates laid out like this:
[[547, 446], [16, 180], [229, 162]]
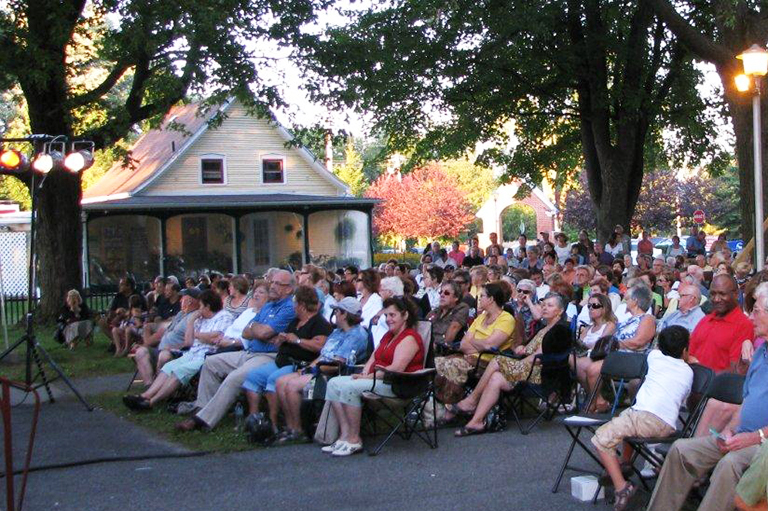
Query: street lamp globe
[[743, 82], [755, 61]]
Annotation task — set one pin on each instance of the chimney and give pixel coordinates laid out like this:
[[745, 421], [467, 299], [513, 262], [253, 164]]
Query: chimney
[[329, 150]]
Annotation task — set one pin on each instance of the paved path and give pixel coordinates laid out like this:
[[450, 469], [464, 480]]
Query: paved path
[[501, 471]]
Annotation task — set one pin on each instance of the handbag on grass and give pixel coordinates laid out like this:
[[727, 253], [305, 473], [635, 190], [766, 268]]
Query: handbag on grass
[[604, 345]]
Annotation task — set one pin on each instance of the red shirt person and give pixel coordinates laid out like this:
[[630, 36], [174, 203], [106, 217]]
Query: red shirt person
[[645, 245], [716, 340]]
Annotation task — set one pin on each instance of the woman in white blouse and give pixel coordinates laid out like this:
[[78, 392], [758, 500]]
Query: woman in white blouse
[[368, 293]]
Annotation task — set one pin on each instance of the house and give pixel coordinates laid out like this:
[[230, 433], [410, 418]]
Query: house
[[231, 198]]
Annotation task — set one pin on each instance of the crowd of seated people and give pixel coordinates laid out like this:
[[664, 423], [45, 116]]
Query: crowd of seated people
[[492, 310]]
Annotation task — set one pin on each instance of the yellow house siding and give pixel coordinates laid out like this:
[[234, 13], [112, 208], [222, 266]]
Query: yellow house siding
[[242, 140]]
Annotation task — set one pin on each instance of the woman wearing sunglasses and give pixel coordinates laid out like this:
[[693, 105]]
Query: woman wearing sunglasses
[[603, 323]]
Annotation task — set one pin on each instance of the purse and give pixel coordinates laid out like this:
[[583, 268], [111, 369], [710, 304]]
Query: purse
[[603, 347]]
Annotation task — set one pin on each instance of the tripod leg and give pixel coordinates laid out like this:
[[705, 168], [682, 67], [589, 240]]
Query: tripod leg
[[61, 374], [40, 368], [13, 347]]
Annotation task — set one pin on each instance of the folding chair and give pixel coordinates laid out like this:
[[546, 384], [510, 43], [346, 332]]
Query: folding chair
[[619, 368], [702, 380], [725, 387], [556, 379], [403, 415]]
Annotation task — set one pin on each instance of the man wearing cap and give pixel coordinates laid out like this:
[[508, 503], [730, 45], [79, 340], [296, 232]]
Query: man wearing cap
[[147, 357], [222, 376]]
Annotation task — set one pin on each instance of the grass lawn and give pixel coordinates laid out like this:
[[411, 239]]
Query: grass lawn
[[223, 438], [82, 361]]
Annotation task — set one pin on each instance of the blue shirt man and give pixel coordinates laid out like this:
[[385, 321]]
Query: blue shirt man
[[277, 315]]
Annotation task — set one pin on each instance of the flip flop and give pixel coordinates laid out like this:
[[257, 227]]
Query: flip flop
[[465, 431]]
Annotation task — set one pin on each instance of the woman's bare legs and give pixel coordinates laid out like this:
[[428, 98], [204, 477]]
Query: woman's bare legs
[[489, 396]]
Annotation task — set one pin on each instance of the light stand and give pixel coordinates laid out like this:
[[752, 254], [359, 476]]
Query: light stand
[[34, 350]]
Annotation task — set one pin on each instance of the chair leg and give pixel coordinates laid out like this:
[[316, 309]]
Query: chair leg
[[132, 380], [565, 464]]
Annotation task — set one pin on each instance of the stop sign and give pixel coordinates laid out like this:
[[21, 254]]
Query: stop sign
[[698, 216]]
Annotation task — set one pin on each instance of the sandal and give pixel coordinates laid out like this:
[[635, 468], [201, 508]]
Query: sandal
[[626, 472], [465, 431], [623, 496], [455, 411]]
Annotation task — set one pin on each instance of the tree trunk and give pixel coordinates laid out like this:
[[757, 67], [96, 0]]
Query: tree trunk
[[615, 207], [740, 110], [59, 240]]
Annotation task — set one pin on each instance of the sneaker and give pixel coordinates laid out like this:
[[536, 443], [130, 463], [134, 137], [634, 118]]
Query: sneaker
[[328, 449], [185, 408], [347, 449]]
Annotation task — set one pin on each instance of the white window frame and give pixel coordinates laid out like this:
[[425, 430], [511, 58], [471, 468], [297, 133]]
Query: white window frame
[[212, 156], [272, 156]]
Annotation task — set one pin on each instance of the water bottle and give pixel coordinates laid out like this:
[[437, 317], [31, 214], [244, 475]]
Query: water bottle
[[351, 359], [239, 414]]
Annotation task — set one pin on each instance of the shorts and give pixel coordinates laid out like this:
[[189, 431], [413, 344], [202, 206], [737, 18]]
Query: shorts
[[349, 391], [630, 423], [184, 368]]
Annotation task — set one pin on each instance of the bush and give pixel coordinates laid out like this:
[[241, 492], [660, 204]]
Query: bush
[[407, 257]]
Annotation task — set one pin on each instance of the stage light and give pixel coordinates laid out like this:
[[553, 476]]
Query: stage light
[[46, 162], [13, 160], [78, 161]]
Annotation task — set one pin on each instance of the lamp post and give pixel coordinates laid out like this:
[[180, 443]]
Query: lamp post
[[755, 61]]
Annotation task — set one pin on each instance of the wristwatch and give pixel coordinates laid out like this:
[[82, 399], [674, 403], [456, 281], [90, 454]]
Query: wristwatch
[[762, 436], [298, 340]]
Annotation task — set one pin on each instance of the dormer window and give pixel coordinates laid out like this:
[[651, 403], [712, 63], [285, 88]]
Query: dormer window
[[272, 170], [213, 170]]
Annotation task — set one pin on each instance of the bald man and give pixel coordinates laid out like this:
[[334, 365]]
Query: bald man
[[688, 313], [716, 341]]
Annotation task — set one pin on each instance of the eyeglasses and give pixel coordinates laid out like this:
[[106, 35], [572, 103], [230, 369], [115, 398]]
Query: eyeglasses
[[594, 306], [358, 280], [523, 292], [446, 292], [276, 283]]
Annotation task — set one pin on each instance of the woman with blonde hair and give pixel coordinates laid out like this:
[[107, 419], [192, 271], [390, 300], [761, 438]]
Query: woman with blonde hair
[[74, 321]]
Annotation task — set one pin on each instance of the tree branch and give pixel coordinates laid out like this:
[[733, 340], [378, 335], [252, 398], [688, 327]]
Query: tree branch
[[701, 45], [104, 87]]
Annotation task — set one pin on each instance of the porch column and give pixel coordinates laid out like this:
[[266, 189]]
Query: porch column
[[86, 259], [370, 236], [238, 238], [307, 255], [163, 244]]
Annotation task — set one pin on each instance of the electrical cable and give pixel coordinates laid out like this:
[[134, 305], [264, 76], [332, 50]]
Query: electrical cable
[[94, 461]]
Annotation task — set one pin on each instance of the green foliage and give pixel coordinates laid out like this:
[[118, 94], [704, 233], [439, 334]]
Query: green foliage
[[513, 216], [474, 180], [404, 257], [351, 172], [313, 138], [545, 88]]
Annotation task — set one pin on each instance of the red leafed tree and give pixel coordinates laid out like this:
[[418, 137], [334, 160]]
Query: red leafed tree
[[427, 203]]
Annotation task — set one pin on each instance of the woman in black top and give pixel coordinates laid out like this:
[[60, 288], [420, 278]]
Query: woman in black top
[[74, 321]]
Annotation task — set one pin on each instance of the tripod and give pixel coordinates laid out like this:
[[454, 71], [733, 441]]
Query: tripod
[[34, 350]]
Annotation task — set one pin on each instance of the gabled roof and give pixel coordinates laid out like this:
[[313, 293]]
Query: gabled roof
[[152, 151], [157, 149]]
